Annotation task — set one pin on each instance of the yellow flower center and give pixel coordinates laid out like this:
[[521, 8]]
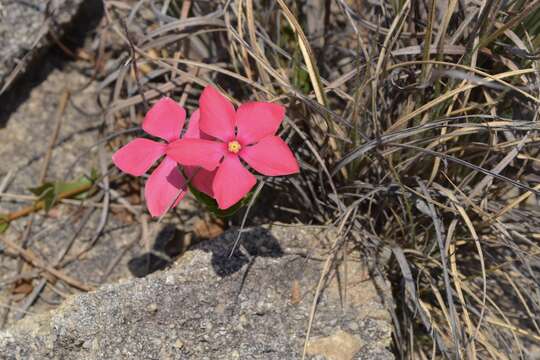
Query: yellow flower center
[[234, 146]]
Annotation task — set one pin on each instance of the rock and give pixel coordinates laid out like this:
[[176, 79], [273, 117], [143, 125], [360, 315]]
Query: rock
[[211, 306], [339, 346], [27, 28]]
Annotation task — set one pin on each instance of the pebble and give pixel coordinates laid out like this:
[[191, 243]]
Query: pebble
[[152, 308]]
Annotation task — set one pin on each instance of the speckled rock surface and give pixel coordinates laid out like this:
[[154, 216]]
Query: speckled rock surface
[[25, 25], [210, 306]]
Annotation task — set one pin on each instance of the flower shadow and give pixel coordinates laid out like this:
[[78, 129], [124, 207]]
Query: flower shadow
[[258, 242], [167, 246]]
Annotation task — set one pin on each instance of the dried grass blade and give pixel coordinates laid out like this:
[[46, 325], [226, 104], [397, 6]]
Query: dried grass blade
[[307, 53]]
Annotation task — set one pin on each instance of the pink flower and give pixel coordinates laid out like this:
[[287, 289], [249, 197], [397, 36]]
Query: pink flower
[[164, 120], [247, 134]]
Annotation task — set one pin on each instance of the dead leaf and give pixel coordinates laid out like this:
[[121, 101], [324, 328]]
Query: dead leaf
[[208, 228], [23, 287]]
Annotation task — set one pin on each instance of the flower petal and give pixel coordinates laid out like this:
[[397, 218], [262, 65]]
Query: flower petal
[[165, 120], [232, 182], [163, 187], [256, 120], [138, 155], [201, 179], [271, 156], [197, 152], [217, 114], [192, 131]]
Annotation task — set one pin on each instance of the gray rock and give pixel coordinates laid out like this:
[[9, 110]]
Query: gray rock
[[26, 27], [210, 306]]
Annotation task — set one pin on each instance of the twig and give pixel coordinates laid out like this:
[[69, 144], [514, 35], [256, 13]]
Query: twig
[[52, 141], [133, 57], [30, 299], [114, 262], [5, 182], [41, 204], [33, 259]]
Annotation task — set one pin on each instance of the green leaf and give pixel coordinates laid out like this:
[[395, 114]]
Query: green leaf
[[42, 189], [66, 187], [212, 205], [301, 79], [94, 175], [45, 193], [4, 223], [50, 192]]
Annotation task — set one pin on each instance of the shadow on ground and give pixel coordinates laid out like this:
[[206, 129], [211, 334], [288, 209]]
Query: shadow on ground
[[51, 57], [169, 243]]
